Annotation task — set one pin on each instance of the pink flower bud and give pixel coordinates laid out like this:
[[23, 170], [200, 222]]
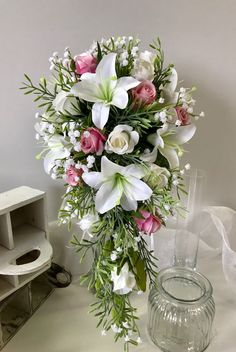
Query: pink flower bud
[[73, 176], [149, 224], [85, 63], [183, 116], [145, 93], [92, 141]]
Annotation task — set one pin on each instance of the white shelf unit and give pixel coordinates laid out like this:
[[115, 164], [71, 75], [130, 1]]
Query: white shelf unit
[[25, 251]]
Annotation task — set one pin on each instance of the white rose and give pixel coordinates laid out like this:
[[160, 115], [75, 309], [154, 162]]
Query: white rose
[[158, 176], [122, 140], [87, 222], [64, 102], [144, 66], [124, 282]]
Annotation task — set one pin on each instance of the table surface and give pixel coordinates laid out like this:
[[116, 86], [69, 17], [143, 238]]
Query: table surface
[[62, 323]]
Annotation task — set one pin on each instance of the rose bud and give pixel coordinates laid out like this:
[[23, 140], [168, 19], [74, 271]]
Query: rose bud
[[85, 63], [182, 116], [92, 141], [145, 93], [73, 176], [149, 224]]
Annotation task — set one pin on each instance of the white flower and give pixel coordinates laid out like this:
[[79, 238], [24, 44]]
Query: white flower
[[139, 340], [104, 89], [64, 102], [168, 92], [125, 324], [59, 149], [202, 114], [168, 142], [122, 140], [124, 282], [140, 293], [113, 256], [175, 182], [117, 185], [144, 66], [158, 176], [187, 166], [87, 222], [116, 329], [103, 332]]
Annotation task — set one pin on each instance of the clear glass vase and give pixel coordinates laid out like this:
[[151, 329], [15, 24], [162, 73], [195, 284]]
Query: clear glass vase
[[188, 224], [181, 311]]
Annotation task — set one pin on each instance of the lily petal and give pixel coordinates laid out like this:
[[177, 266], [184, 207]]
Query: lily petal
[[120, 98], [171, 155], [136, 189], [155, 139], [100, 113], [181, 134], [128, 204], [173, 78], [127, 83], [169, 96], [106, 68], [107, 197], [52, 155], [150, 157], [108, 168], [93, 179], [135, 170], [86, 90]]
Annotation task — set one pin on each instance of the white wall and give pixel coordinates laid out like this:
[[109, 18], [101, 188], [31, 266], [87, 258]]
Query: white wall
[[199, 36]]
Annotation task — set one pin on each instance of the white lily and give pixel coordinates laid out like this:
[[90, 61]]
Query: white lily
[[64, 102], [124, 282], [117, 185], [104, 89], [58, 149], [168, 92], [169, 142]]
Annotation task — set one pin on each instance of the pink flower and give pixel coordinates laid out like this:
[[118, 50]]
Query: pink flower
[[73, 176], [149, 224], [183, 116], [145, 93], [92, 141], [85, 63]]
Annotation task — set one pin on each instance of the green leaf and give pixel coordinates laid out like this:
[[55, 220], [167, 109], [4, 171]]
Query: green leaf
[[99, 56], [139, 268], [108, 248], [28, 79]]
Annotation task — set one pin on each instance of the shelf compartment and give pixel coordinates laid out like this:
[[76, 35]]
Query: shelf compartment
[[30, 214], [6, 237]]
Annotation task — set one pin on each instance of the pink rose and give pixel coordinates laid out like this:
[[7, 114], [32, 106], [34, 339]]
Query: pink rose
[[183, 116], [149, 224], [73, 176], [92, 141], [145, 93], [85, 63]]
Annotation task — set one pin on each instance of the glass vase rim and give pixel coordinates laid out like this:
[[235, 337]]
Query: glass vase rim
[[189, 274]]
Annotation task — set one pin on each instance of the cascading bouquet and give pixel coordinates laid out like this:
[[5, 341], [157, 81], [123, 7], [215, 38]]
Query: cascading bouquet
[[113, 127]]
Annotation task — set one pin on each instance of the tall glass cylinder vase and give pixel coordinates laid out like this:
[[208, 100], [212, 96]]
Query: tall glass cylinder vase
[[189, 222]]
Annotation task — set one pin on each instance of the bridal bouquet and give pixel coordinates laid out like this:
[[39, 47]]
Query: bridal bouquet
[[113, 125]]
